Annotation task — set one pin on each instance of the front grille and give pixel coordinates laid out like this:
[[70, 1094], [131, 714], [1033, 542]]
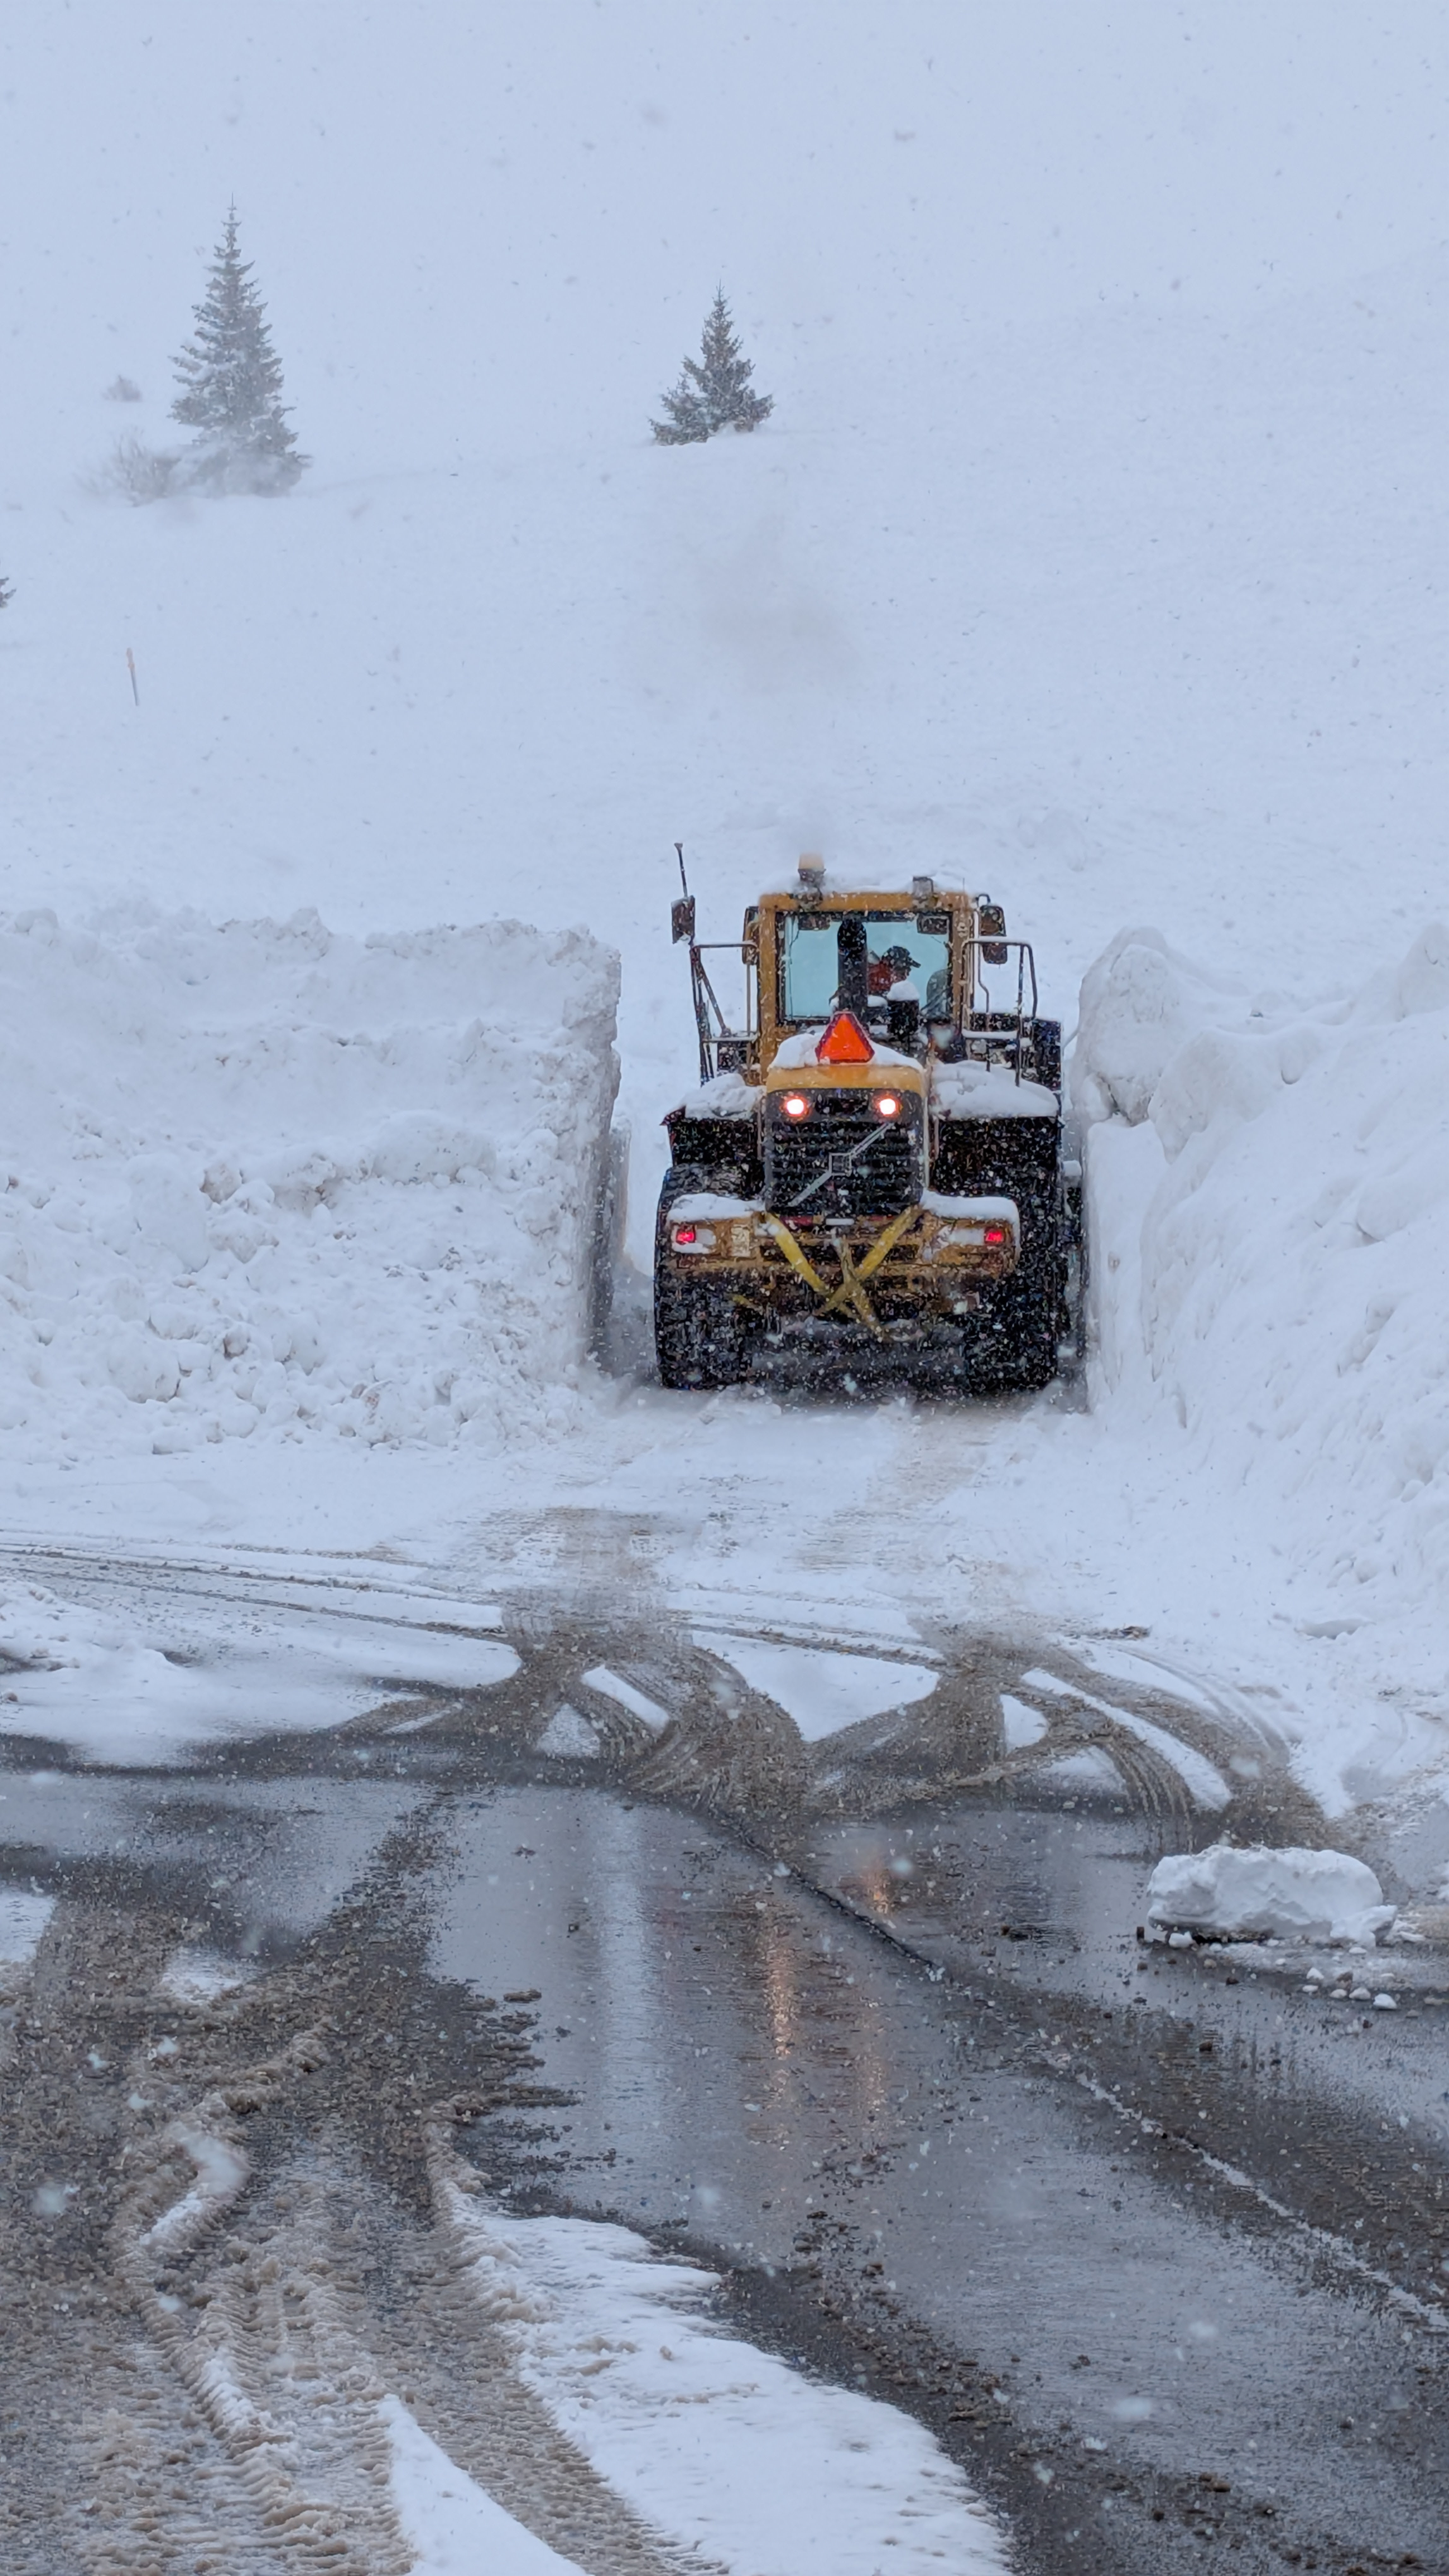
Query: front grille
[[859, 1164]]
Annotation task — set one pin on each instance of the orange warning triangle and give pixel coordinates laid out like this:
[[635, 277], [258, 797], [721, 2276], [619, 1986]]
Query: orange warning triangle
[[844, 1042]]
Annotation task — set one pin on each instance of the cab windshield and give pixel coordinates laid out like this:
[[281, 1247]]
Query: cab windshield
[[898, 950]]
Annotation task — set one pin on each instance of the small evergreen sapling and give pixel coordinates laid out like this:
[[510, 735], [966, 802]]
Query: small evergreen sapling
[[231, 387], [714, 390]]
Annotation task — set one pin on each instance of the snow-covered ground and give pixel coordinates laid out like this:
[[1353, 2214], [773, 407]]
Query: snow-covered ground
[[1093, 554]]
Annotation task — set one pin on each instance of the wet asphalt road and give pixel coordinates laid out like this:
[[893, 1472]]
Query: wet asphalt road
[[1157, 2247]]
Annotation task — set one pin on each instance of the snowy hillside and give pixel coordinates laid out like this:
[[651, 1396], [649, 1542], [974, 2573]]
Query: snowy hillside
[[267, 1182]]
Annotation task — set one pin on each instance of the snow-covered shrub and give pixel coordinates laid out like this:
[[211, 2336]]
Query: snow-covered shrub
[[135, 472]]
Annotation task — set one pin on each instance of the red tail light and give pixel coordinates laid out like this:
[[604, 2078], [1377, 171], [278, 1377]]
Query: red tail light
[[997, 1234], [796, 1104], [845, 1042], [887, 1105], [686, 1234]]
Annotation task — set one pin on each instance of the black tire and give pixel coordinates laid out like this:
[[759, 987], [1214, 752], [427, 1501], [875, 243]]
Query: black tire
[[699, 1335], [1019, 1350]]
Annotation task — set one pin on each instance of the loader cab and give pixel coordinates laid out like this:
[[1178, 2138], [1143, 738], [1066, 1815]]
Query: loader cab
[[963, 987], [903, 963], [882, 965]]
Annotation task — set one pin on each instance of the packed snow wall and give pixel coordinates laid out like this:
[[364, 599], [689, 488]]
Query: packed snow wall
[[264, 1181], [1269, 1202]]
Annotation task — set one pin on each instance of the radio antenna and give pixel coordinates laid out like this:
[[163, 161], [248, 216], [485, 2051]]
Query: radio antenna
[[679, 854]]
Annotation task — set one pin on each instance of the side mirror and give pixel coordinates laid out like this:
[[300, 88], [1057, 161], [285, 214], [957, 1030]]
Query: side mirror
[[991, 931], [681, 918]]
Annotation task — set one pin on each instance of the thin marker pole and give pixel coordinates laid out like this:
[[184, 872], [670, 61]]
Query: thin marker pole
[[131, 667]]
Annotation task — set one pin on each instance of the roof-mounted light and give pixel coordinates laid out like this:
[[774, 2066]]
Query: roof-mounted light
[[845, 1042]]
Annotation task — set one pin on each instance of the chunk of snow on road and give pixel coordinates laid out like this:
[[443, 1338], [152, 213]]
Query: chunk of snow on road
[[718, 2446], [601, 1679], [452, 2525], [1203, 1778], [268, 1182], [23, 1918], [569, 1737], [1322, 1895], [822, 1690], [1022, 1725]]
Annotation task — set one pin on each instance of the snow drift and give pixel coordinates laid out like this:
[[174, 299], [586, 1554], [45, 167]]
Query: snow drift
[[265, 1181], [1270, 1205]]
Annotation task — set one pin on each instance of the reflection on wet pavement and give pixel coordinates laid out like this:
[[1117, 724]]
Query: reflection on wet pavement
[[825, 1963], [740, 2056]]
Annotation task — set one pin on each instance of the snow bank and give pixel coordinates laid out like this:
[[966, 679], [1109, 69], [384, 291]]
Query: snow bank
[[1270, 1255], [1322, 1895], [263, 1181]]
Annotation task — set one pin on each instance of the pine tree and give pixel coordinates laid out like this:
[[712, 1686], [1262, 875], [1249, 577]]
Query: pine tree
[[231, 387], [6, 592], [714, 390]]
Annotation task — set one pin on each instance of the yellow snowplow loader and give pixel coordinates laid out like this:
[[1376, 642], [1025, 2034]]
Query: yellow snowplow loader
[[870, 1179]]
